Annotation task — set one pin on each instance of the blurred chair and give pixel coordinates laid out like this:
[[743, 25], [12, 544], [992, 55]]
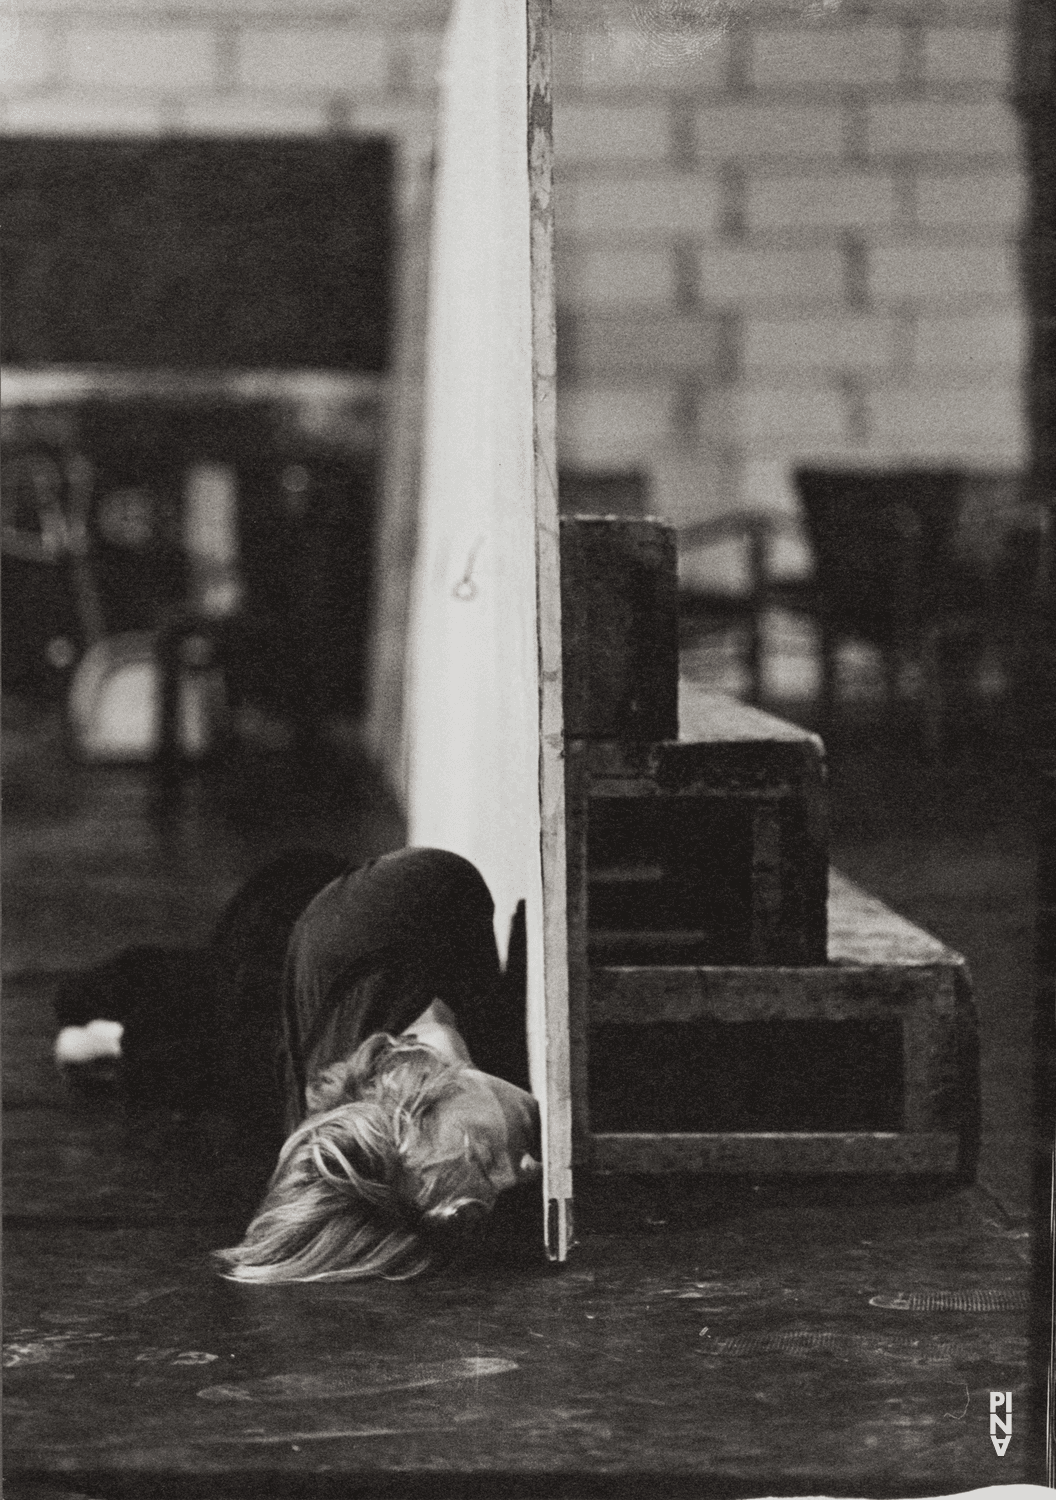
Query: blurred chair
[[896, 568], [60, 616], [42, 632], [935, 569], [704, 610], [708, 609]]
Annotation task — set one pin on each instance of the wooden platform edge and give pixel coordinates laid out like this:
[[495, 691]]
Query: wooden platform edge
[[717, 718], [557, 1115], [863, 930], [769, 1153], [629, 996], [881, 966]]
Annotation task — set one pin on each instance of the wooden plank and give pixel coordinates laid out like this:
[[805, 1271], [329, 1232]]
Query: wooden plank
[[619, 606], [717, 767], [628, 996], [941, 1061], [548, 1027], [770, 876], [771, 795], [771, 1153], [483, 703], [577, 784], [715, 718]]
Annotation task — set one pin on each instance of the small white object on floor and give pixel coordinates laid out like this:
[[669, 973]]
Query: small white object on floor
[[85, 1044]]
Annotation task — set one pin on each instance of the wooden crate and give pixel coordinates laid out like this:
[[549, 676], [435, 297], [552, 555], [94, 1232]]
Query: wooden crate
[[881, 969], [700, 916], [619, 628], [711, 848]]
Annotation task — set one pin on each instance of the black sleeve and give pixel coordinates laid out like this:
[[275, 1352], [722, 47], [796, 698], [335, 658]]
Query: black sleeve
[[165, 1000], [202, 1025], [376, 946], [494, 1023], [248, 952]]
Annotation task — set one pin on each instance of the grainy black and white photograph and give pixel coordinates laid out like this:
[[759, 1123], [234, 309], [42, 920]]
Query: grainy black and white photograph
[[529, 748]]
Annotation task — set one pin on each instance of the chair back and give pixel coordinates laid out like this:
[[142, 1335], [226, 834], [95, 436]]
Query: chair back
[[883, 548]]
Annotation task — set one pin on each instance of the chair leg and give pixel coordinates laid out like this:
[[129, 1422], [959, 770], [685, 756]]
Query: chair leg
[[755, 658], [167, 748], [759, 567], [829, 675], [932, 696]]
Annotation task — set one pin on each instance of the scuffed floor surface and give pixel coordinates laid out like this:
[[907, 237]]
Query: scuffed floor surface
[[737, 1339], [766, 1346]]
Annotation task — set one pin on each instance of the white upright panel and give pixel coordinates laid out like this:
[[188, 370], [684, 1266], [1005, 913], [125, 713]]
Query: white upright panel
[[483, 709]]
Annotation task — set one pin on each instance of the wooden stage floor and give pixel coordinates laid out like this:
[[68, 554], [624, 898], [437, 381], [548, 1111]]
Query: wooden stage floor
[[739, 1338]]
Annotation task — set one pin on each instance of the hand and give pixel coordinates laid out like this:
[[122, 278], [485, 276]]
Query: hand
[[88, 1044]]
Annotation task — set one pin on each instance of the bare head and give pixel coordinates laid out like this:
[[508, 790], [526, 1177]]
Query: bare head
[[405, 1153]]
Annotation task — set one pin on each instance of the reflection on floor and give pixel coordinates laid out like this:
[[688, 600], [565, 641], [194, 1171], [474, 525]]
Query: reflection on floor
[[737, 1338]]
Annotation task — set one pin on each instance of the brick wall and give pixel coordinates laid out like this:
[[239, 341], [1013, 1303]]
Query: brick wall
[[150, 67], [792, 240], [789, 239]]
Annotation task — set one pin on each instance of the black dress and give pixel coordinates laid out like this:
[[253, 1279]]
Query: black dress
[[309, 958]]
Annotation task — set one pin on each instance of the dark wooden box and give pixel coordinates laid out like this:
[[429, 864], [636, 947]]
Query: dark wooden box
[[619, 627]]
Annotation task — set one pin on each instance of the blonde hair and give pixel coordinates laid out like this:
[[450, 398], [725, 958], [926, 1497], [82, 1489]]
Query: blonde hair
[[355, 1193]]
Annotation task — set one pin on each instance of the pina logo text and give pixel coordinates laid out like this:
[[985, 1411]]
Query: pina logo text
[[999, 1399]]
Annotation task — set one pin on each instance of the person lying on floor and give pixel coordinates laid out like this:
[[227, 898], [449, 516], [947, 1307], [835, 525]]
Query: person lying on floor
[[363, 1014]]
